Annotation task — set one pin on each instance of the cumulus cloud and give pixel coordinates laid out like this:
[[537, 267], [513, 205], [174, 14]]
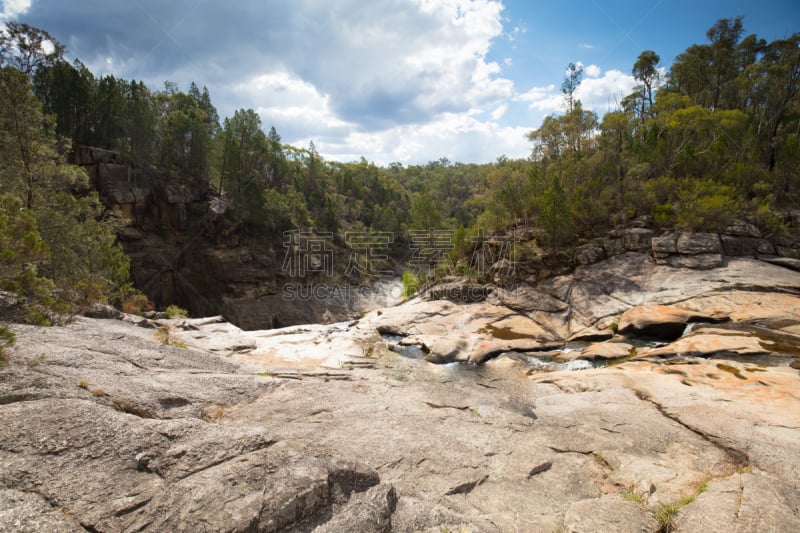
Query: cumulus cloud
[[458, 137], [13, 9], [542, 98], [600, 92], [310, 69], [593, 71], [498, 113], [392, 80]]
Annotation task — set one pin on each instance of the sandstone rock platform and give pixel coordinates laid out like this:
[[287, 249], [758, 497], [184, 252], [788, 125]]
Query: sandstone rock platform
[[109, 426]]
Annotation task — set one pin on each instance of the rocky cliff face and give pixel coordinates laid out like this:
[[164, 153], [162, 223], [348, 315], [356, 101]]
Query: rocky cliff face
[[113, 426], [185, 250]]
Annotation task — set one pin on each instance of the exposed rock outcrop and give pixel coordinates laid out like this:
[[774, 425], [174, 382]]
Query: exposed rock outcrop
[[660, 321], [325, 428]]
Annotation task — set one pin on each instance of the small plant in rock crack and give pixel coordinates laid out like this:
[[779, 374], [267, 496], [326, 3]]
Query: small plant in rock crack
[[7, 339], [164, 335], [636, 496], [665, 514]]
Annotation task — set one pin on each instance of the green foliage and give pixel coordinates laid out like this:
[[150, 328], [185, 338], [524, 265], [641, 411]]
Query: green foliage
[[87, 263], [411, 284], [136, 303], [425, 213], [693, 204], [7, 339], [26, 49], [714, 139], [665, 514], [633, 495], [173, 311], [59, 248], [164, 335], [22, 253], [555, 214]]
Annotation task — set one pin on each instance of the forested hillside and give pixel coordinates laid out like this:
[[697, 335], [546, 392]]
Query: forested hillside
[[715, 137]]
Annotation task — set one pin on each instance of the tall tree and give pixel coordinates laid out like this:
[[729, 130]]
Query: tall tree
[[571, 83], [645, 70], [27, 48]]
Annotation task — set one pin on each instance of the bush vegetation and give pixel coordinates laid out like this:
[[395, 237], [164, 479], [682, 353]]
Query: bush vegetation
[[690, 147]]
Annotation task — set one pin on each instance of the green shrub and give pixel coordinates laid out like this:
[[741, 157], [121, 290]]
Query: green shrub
[[7, 338], [692, 204], [136, 303], [410, 284], [705, 205], [173, 311]]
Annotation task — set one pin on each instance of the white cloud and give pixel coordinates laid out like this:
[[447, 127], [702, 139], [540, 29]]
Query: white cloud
[[598, 93], [456, 136], [391, 80], [498, 113], [542, 98], [376, 82], [14, 8], [593, 71], [586, 46], [602, 94]]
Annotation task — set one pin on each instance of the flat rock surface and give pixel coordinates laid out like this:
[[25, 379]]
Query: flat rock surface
[[108, 426]]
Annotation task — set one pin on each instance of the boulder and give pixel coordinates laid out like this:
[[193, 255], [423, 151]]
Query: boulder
[[614, 247], [740, 228], [699, 243], [746, 246], [90, 155], [788, 262], [659, 321], [606, 350], [792, 252], [589, 254], [160, 438], [29, 512], [753, 501], [709, 343], [103, 311], [370, 510], [447, 350], [114, 184], [664, 245], [637, 239]]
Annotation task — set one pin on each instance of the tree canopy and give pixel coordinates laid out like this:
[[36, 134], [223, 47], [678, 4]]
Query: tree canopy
[[713, 137]]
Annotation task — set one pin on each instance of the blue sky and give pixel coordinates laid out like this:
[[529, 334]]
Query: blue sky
[[391, 80]]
